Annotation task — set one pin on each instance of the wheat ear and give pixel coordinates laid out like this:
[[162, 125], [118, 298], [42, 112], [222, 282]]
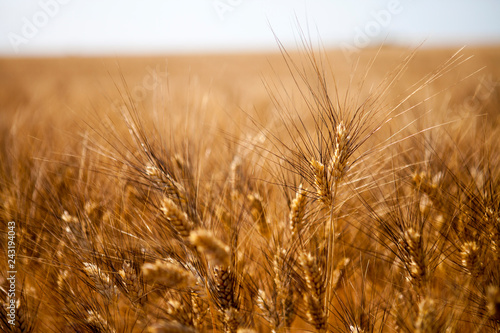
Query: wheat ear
[[297, 211], [215, 250], [177, 218], [321, 182], [133, 282], [315, 295], [426, 318], [225, 297], [259, 215], [167, 274], [415, 257], [102, 281]]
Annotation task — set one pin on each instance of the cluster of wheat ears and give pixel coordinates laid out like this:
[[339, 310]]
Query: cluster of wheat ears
[[350, 209]]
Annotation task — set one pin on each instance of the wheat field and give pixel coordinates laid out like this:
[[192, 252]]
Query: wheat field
[[292, 192]]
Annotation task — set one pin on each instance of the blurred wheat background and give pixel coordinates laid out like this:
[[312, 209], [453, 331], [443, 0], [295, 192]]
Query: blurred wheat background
[[294, 191]]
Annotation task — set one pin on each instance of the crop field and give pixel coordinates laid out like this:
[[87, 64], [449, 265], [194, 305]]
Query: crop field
[[292, 192]]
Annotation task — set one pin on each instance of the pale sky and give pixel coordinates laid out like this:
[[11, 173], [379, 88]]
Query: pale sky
[[114, 27]]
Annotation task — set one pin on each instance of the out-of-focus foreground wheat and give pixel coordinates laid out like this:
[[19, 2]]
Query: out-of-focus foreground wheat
[[293, 192]]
